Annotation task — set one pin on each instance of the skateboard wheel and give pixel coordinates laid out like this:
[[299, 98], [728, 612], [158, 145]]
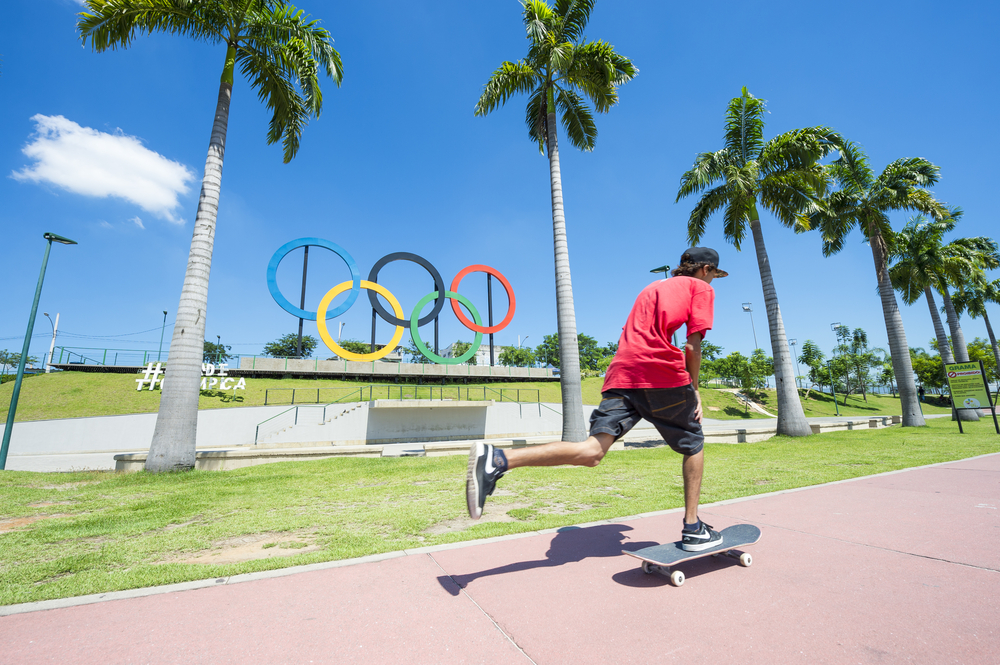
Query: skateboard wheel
[[646, 567], [746, 560], [677, 578]]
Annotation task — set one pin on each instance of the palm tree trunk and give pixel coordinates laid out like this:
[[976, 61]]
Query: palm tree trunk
[[961, 349], [993, 339], [569, 352], [944, 348], [791, 418], [175, 434], [899, 350], [957, 336]]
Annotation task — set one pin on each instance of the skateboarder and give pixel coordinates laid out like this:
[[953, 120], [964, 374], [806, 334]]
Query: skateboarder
[[649, 378]]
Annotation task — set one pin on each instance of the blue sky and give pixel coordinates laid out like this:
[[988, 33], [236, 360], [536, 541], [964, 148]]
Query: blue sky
[[108, 149]]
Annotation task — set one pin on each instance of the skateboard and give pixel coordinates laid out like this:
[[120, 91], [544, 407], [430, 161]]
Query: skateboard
[[660, 558]]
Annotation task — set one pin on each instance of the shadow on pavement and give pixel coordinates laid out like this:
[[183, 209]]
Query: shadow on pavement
[[571, 543]]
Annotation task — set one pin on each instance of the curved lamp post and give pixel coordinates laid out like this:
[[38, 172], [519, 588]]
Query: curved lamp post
[[51, 237]]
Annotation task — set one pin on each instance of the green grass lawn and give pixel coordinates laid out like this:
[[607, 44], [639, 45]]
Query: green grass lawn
[[68, 534], [821, 404], [80, 394]]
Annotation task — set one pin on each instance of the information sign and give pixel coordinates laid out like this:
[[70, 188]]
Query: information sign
[[968, 388]]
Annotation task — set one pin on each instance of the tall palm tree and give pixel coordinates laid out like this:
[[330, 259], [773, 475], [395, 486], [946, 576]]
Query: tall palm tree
[[974, 299], [924, 263], [558, 72], [864, 200], [780, 175], [281, 51]]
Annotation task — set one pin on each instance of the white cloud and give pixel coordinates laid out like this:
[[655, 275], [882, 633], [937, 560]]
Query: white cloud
[[106, 225], [137, 222], [89, 162]]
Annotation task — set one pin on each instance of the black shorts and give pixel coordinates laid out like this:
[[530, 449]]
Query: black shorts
[[671, 410]]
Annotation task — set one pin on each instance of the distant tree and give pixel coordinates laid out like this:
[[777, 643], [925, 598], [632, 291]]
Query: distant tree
[[415, 354], [216, 353], [286, 346], [591, 355], [460, 348], [855, 361], [513, 356], [11, 359], [352, 345], [928, 368], [749, 372]]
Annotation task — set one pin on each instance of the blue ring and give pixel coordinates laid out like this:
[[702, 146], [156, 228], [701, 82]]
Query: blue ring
[[272, 277]]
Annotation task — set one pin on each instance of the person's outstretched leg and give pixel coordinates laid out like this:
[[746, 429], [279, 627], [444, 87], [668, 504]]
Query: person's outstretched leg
[[488, 463], [696, 535]]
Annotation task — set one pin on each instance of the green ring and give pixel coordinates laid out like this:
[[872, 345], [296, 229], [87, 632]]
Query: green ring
[[430, 355]]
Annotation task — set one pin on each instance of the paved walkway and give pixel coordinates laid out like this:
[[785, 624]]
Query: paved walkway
[[896, 568]]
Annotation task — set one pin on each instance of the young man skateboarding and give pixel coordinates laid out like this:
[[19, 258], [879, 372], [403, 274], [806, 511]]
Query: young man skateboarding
[[649, 378]]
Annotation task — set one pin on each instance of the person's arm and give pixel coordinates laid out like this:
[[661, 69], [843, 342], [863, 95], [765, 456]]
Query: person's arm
[[692, 362]]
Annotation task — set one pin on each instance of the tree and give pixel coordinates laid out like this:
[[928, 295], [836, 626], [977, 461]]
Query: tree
[[11, 359], [415, 355], [513, 356], [749, 372], [864, 200], [353, 346], [779, 175], [287, 346], [590, 354], [856, 360], [925, 264], [929, 369], [459, 348], [558, 72], [282, 52], [215, 352], [974, 299]]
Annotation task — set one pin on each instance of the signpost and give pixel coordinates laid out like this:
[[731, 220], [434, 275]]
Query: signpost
[[969, 390]]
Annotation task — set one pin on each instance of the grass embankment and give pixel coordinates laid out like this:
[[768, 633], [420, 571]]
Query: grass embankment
[[821, 404], [71, 534], [82, 394]]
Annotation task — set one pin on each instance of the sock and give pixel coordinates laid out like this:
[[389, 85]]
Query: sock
[[499, 460], [692, 527]]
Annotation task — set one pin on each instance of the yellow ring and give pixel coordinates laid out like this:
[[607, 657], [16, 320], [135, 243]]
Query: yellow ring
[[336, 348]]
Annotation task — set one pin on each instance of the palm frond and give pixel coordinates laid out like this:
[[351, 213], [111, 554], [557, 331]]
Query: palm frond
[[535, 117], [736, 217], [509, 79], [788, 194], [575, 16], [111, 24], [577, 119], [597, 71], [538, 19], [851, 169], [711, 202], [797, 149], [707, 169], [745, 126], [290, 112]]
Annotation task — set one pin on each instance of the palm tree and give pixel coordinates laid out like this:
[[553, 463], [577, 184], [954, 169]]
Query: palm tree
[[558, 72], [973, 299], [864, 200], [780, 175], [924, 263], [281, 51]]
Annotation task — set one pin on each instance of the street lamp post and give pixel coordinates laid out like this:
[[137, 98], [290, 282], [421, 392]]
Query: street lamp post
[[748, 307], [162, 329], [340, 330], [792, 343], [52, 346], [51, 237], [218, 349]]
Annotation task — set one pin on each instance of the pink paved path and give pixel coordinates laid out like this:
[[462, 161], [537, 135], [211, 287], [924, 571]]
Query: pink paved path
[[918, 583]]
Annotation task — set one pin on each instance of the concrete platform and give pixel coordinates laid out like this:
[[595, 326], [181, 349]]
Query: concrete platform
[[862, 571]]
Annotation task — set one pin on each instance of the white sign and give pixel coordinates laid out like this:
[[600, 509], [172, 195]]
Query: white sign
[[211, 376]]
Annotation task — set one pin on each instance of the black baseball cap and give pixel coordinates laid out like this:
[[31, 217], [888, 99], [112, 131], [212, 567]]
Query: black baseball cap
[[702, 255]]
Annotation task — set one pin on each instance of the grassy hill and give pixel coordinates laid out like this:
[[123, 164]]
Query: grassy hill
[[81, 394]]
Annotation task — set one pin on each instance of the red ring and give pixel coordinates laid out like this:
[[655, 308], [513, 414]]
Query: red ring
[[506, 286]]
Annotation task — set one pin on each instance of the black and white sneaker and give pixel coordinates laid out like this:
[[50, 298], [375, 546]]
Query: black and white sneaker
[[702, 539], [481, 479]]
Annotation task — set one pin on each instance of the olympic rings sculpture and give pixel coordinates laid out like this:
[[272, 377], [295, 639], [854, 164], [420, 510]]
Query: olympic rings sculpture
[[396, 318]]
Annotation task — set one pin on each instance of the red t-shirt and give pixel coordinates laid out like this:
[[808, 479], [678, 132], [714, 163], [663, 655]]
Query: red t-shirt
[[646, 358]]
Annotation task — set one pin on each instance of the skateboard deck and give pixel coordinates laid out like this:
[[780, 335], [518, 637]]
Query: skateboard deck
[[660, 558]]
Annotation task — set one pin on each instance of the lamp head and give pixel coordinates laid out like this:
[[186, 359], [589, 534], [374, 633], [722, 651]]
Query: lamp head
[[52, 237], [747, 307]]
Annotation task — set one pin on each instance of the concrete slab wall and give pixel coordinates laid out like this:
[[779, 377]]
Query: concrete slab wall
[[216, 427]]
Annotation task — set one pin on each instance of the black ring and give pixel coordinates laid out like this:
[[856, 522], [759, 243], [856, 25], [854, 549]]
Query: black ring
[[438, 283]]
